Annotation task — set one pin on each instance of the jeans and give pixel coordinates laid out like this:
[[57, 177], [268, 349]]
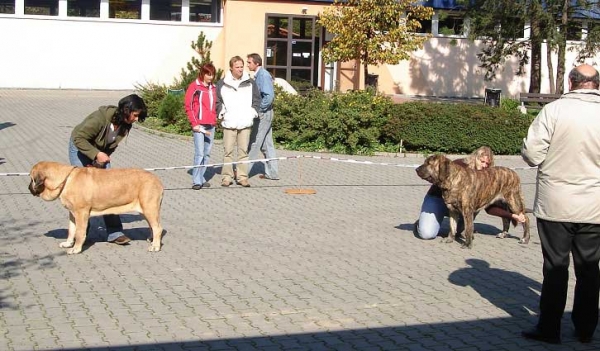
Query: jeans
[[202, 146], [114, 227], [263, 141], [231, 137], [433, 211]]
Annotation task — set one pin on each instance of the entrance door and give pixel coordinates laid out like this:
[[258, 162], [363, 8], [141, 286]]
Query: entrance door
[[292, 49]]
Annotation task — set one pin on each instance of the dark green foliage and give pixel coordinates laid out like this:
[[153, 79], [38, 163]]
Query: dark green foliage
[[346, 123], [153, 94], [361, 122], [171, 113], [456, 128]]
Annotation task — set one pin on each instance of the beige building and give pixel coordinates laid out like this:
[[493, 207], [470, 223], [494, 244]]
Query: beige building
[[116, 44]]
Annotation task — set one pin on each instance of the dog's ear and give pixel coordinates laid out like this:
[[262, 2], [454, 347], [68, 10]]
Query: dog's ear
[[36, 186], [48, 179], [443, 167]]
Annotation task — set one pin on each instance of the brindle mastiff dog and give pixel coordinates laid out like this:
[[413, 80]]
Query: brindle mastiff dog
[[467, 191], [89, 191]]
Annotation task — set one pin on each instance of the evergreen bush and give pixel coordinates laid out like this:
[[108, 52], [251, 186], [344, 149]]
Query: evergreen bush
[[456, 128]]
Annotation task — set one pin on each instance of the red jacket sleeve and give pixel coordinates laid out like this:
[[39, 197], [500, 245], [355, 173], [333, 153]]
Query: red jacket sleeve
[[188, 101]]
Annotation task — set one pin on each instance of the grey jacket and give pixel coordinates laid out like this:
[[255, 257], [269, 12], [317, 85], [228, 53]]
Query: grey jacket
[[564, 142]]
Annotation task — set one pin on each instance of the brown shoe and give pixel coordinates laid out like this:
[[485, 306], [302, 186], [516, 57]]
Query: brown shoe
[[244, 183], [226, 183], [122, 240]]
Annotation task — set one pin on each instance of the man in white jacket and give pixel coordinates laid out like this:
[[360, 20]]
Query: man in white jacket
[[238, 100], [564, 143]]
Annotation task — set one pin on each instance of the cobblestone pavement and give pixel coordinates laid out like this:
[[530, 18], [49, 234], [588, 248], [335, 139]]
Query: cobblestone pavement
[[252, 268]]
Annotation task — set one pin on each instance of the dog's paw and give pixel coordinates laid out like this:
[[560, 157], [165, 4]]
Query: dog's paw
[[524, 241], [73, 251], [502, 235], [154, 248], [467, 245], [448, 240], [67, 244]]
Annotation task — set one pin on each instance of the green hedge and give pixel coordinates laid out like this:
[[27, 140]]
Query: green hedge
[[363, 122], [456, 128]]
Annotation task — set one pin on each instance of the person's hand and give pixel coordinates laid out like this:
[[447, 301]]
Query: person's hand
[[518, 218], [102, 158], [196, 129]]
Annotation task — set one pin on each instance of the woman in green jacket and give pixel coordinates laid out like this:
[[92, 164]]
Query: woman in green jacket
[[96, 138]]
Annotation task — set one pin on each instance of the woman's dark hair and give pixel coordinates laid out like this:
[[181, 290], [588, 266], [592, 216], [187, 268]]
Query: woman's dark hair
[[127, 105]]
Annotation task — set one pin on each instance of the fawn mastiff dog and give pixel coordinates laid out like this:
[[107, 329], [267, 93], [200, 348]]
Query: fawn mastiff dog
[[467, 191], [89, 191]]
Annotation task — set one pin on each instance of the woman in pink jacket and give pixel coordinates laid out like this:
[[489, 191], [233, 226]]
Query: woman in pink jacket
[[200, 106]]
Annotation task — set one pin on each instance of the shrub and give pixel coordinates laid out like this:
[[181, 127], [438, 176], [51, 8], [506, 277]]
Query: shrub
[[509, 104], [347, 123], [455, 128], [171, 113], [153, 95]]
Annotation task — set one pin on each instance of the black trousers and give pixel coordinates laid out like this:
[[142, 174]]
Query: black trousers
[[559, 239]]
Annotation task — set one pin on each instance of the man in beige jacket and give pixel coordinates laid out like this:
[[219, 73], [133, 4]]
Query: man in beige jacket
[[564, 143]]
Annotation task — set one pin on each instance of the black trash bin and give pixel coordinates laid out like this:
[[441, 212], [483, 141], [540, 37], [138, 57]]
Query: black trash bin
[[492, 97], [372, 80]]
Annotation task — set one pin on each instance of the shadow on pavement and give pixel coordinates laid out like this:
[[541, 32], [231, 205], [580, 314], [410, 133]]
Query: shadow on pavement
[[12, 266], [5, 125], [483, 334], [512, 292]]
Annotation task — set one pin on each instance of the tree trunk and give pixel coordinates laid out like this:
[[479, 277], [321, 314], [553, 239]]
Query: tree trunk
[[535, 77], [550, 67], [562, 49]]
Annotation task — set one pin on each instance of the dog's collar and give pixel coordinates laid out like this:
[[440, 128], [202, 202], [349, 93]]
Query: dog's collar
[[62, 185]]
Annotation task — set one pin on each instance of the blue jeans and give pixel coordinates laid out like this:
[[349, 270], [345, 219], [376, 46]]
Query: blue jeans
[[114, 227], [433, 211], [264, 142], [202, 146]]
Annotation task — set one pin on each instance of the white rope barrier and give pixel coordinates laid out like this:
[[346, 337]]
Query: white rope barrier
[[333, 159]]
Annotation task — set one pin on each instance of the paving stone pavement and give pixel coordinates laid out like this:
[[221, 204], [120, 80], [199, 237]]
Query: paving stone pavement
[[252, 268]]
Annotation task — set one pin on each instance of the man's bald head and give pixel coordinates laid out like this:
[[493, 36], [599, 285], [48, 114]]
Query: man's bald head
[[584, 77]]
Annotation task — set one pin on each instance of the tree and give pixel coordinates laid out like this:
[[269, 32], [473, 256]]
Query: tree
[[564, 19], [373, 32], [500, 25], [188, 74]]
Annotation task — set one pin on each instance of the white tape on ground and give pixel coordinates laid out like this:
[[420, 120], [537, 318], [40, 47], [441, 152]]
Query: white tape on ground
[[334, 159]]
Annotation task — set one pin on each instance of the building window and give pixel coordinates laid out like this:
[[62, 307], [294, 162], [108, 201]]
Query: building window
[[165, 10], [205, 11], [574, 31], [83, 8], [41, 7], [131, 9], [292, 50], [450, 25], [425, 26], [7, 6]]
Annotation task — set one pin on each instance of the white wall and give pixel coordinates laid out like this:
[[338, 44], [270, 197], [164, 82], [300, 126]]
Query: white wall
[[94, 54], [450, 67]]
